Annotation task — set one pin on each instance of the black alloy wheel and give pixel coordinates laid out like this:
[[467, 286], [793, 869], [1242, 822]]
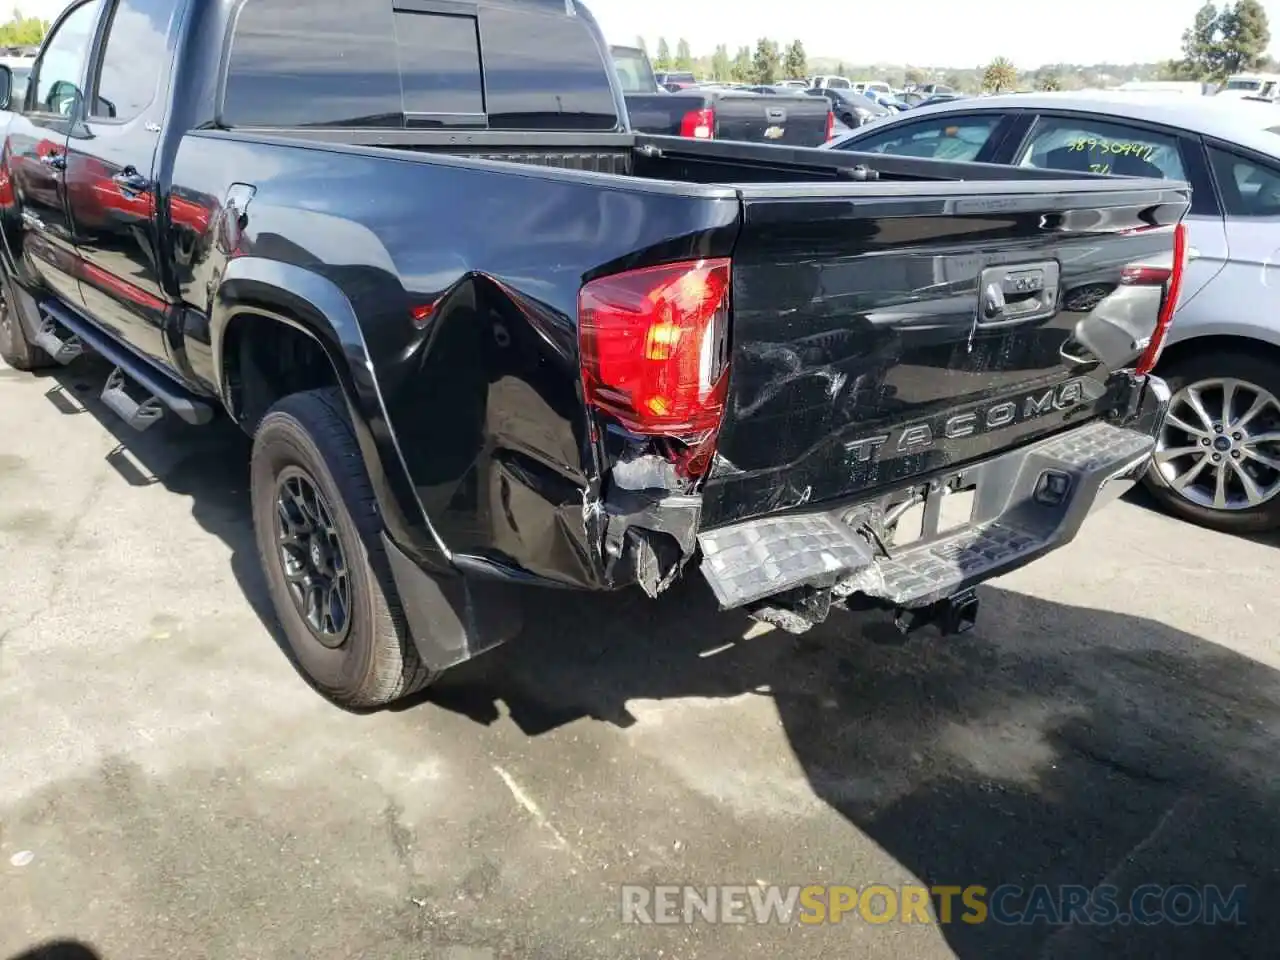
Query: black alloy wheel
[[312, 557]]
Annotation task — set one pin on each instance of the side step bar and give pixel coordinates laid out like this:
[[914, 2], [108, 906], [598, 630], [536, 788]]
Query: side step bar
[[160, 389], [138, 415], [47, 339]]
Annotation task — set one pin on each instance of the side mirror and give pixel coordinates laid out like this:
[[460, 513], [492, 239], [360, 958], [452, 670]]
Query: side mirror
[[6, 87]]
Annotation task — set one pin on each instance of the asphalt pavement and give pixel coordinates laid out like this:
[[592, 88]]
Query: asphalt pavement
[[169, 787]]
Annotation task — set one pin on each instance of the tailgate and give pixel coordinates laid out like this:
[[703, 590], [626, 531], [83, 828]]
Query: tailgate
[[660, 113], [762, 118], [886, 331]]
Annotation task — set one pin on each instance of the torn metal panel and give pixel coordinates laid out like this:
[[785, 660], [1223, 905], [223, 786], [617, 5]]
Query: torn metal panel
[[649, 536]]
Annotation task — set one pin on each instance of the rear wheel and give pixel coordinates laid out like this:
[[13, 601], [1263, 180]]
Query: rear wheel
[[1217, 458], [319, 540], [15, 349]]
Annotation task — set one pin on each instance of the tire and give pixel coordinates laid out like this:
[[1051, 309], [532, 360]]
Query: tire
[[1257, 375], [307, 438], [15, 349]]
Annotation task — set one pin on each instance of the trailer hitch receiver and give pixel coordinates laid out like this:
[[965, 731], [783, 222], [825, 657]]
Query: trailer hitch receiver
[[954, 615]]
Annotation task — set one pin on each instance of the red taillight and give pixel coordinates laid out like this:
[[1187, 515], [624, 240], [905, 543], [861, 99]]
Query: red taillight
[[699, 124], [1171, 279], [831, 126], [654, 348]]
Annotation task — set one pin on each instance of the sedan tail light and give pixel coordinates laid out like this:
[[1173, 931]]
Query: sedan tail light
[[1171, 279]]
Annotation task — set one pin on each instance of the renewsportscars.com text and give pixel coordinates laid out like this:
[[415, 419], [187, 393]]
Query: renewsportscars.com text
[[1148, 904]]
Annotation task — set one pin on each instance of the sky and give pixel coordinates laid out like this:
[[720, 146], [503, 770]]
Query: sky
[[941, 33]]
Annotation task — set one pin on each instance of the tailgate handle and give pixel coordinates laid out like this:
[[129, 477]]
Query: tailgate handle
[[1017, 293]]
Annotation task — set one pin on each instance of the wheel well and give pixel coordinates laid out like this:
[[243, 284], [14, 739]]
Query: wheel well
[[1198, 346], [264, 360]]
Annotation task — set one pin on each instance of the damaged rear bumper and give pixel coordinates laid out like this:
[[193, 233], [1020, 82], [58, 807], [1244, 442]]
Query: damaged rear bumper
[[1026, 503]]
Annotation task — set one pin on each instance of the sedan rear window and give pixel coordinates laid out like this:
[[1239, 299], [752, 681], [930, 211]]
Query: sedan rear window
[[1088, 145]]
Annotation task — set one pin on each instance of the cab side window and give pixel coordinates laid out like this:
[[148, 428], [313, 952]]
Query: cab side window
[[62, 64], [939, 138], [1089, 145]]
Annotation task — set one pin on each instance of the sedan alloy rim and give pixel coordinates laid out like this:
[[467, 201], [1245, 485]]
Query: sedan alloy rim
[[1220, 444]]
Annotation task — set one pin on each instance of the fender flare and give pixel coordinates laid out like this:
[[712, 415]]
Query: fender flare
[[317, 307]]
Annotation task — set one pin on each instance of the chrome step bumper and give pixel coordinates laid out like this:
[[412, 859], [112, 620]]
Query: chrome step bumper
[[1026, 503]]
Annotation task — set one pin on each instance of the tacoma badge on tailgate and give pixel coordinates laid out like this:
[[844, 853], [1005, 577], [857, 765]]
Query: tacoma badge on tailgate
[[992, 416]]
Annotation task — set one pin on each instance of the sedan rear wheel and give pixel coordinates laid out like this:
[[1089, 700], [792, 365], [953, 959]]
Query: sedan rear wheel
[[1217, 458]]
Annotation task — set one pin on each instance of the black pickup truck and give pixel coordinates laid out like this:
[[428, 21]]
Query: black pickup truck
[[793, 120], [487, 339]]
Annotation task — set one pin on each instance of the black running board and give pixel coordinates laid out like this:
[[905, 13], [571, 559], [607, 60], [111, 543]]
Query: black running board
[[186, 405]]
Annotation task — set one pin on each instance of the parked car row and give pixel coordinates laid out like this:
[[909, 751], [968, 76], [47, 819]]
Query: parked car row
[[677, 104], [714, 112]]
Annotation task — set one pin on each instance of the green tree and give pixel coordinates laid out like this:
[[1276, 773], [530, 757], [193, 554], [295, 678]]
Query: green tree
[[1221, 42], [23, 31], [1048, 81], [840, 69], [999, 75], [1245, 36], [684, 57], [721, 65], [1201, 46], [796, 62], [642, 45], [662, 61], [767, 61], [742, 66], [912, 77]]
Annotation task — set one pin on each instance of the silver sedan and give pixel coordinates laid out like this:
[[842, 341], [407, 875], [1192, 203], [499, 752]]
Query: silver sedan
[[1218, 459]]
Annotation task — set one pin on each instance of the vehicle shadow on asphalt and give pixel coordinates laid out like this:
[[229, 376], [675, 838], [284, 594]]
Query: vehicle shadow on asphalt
[[1053, 745], [59, 950], [208, 465]]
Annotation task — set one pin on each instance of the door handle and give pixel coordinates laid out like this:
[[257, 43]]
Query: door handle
[[57, 161], [131, 181]]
